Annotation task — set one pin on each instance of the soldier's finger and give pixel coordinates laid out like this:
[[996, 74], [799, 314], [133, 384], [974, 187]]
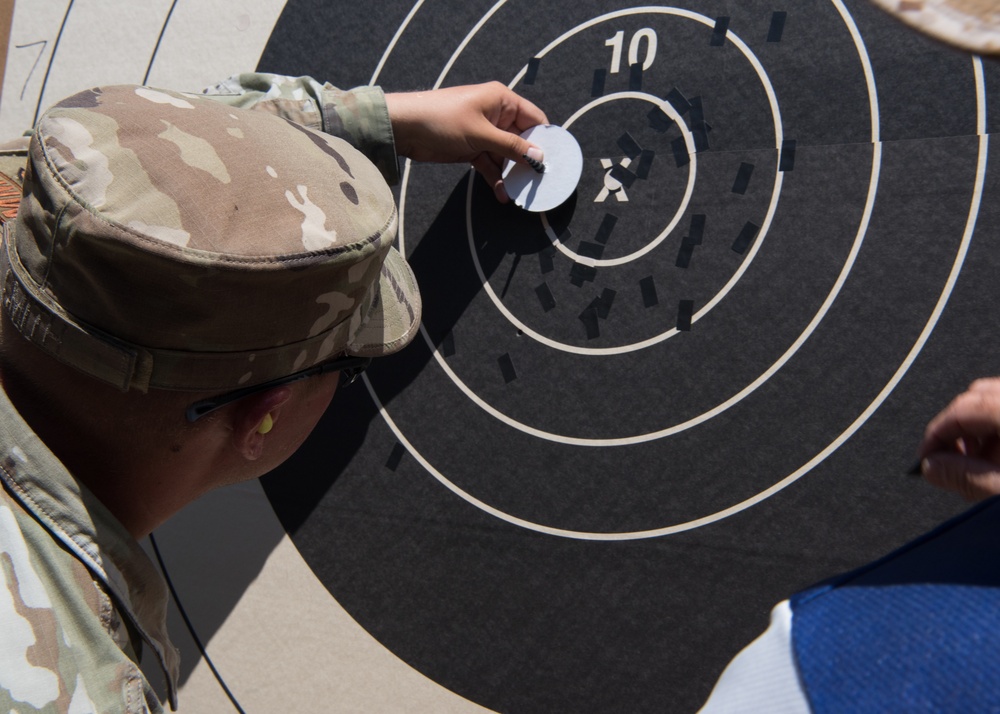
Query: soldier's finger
[[973, 479], [973, 415], [490, 171], [985, 384]]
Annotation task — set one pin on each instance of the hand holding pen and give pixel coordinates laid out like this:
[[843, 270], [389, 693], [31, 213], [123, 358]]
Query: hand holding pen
[[960, 450]]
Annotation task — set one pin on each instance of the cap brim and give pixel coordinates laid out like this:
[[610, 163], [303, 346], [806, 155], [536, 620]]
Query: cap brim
[[394, 317]]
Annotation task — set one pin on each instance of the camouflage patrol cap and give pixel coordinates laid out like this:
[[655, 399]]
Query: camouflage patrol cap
[[171, 242]]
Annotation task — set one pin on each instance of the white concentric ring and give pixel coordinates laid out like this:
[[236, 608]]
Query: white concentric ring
[[744, 265], [750, 388], [667, 108], [678, 214], [833, 445]]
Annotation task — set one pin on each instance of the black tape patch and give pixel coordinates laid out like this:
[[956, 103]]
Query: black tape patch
[[622, 175], [786, 161], [635, 78], [597, 87], [604, 303], [545, 297], [448, 344], [629, 146], [397, 454], [678, 101], [743, 178], [745, 238], [697, 231], [645, 163], [680, 150], [604, 230], [699, 133], [648, 288], [719, 33], [659, 120], [699, 127], [545, 260], [591, 250], [685, 253], [697, 111], [507, 368], [685, 310], [580, 274], [589, 319], [777, 26], [529, 76]]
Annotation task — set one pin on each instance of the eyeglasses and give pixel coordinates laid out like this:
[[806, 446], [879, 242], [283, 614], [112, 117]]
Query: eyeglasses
[[350, 369]]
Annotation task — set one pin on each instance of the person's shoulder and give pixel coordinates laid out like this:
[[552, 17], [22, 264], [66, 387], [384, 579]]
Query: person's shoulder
[[62, 642], [912, 631]]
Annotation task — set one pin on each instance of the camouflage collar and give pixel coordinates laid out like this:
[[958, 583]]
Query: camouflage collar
[[75, 517]]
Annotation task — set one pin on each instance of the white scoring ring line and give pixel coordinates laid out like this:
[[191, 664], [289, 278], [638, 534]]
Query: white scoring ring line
[[768, 90], [732, 400], [688, 140], [847, 433], [668, 109]]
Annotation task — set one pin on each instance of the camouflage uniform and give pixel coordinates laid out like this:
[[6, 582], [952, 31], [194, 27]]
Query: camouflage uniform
[[69, 576], [169, 242]]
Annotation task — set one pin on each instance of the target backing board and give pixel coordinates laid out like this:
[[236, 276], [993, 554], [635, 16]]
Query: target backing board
[[629, 425]]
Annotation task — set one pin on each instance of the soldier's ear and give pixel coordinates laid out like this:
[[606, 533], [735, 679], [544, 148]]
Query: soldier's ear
[[250, 417]]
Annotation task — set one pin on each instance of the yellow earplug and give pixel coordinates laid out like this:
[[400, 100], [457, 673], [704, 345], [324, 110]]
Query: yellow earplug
[[266, 424]]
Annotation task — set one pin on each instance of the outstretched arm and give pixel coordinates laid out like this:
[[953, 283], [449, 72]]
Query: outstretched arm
[[477, 124], [961, 446], [356, 115]]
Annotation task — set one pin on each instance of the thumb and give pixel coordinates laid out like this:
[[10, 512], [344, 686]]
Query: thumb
[[973, 479]]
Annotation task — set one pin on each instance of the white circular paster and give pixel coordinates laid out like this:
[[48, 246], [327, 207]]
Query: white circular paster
[[538, 192]]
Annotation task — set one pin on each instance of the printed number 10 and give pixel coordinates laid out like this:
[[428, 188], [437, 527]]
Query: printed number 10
[[617, 42]]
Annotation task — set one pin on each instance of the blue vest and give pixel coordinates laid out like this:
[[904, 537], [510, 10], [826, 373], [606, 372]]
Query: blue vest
[[918, 631]]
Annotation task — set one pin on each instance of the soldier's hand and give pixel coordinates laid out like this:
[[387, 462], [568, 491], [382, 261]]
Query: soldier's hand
[[961, 446], [478, 124]]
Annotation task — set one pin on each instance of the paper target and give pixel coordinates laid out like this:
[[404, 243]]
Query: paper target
[[633, 423]]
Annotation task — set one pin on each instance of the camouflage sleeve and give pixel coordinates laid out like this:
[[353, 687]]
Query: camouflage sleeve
[[357, 115], [63, 645]]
